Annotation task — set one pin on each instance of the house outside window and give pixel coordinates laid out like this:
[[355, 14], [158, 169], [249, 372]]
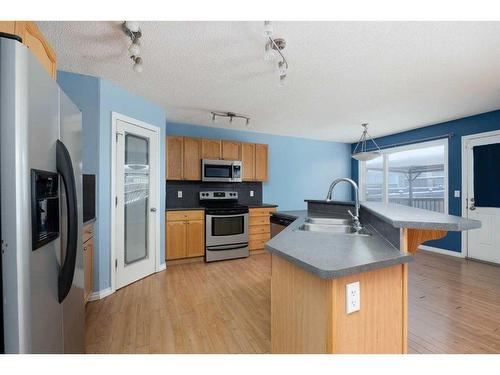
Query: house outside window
[[414, 175]]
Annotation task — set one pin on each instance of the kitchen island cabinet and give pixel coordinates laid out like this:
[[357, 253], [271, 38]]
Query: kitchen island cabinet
[[310, 272]]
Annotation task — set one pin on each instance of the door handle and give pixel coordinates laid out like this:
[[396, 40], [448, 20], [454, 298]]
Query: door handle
[[65, 169], [472, 207], [152, 209]]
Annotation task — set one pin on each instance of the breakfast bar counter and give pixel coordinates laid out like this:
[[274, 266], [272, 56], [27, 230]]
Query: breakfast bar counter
[[314, 266]]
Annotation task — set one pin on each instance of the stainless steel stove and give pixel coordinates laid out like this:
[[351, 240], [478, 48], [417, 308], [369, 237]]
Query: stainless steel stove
[[226, 226]]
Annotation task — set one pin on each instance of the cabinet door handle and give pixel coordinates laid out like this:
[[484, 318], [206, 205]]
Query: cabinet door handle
[[152, 209]]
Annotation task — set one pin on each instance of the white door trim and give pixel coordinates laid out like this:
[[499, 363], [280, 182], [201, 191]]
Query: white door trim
[[465, 192], [115, 116]]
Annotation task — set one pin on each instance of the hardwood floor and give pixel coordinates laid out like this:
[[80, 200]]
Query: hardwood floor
[[454, 305], [220, 307], [224, 307]]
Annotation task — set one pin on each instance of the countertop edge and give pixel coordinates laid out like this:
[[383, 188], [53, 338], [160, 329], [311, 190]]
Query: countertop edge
[[462, 225]]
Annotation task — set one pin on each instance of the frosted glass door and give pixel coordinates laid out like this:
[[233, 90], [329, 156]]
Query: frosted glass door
[[136, 184], [136, 245]]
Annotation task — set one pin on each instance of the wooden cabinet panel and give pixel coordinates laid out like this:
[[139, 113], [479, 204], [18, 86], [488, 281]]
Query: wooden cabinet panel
[[258, 220], [38, 45], [176, 239], [174, 158], [185, 232], [88, 232], [7, 27], [192, 159], [33, 39], [262, 211], [231, 150], [248, 161], [211, 149], [259, 229], [195, 238], [257, 244], [88, 267], [261, 162], [185, 215]]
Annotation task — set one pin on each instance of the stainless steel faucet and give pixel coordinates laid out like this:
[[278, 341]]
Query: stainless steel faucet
[[355, 216]]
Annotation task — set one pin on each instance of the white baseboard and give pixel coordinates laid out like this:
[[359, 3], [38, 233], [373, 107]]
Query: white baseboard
[[100, 294], [162, 267], [441, 251]]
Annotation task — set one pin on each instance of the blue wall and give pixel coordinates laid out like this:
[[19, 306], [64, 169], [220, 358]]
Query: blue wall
[[469, 125], [97, 99], [298, 168]]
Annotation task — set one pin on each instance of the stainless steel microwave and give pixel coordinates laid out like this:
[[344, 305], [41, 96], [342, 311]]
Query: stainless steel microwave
[[221, 170]]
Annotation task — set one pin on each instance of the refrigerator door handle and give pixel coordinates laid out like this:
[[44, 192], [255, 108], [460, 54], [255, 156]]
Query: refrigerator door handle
[[65, 168]]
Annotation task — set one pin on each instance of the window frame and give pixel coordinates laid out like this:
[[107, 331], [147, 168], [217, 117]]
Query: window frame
[[385, 162]]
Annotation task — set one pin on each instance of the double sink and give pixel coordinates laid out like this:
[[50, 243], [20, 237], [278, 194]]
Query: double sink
[[332, 225]]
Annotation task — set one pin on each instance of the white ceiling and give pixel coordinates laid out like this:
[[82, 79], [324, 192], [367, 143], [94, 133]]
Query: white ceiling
[[394, 75]]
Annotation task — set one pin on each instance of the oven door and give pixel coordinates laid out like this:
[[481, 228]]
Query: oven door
[[225, 232], [217, 170]]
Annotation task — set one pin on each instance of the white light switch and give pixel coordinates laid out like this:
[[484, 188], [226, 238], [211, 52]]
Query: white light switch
[[251, 193], [352, 298], [456, 193], [179, 193]]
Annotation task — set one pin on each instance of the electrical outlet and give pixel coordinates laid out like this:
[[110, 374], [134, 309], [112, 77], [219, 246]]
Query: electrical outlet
[[456, 193], [251, 193], [179, 193], [352, 297]]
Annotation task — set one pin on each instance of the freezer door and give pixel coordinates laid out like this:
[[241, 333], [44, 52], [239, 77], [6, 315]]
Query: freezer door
[[73, 304], [29, 130]]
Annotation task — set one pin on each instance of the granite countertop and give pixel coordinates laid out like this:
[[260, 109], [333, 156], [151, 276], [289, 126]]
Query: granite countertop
[[330, 255], [261, 205], [184, 208], [400, 216]]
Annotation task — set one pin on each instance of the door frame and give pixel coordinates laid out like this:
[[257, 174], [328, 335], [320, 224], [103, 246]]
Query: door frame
[[465, 190], [115, 116]]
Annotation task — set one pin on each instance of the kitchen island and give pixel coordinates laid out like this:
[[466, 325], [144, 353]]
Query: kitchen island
[[310, 271]]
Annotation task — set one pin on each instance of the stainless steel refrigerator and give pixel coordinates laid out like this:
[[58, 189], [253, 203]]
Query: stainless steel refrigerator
[[41, 208]]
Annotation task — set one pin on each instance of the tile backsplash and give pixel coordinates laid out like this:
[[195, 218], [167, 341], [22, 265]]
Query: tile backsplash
[[191, 189]]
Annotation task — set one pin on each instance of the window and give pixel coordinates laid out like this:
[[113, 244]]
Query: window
[[415, 176]]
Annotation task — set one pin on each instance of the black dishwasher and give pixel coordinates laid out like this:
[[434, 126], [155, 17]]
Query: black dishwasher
[[279, 222]]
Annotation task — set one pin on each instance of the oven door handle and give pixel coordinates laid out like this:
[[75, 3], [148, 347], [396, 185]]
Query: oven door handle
[[228, 247]]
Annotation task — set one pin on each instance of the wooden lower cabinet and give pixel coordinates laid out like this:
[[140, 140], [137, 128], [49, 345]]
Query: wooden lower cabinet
[[88, 260], [309, 313], [195, 246], [259, 228], [185, 234]]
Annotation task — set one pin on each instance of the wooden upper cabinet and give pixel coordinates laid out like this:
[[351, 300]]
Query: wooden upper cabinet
[[231, 150], [210, 149], [174, 163], [184, 155], [248, 161], [32, 38], [261, 157], [192, 159], [7, 27]]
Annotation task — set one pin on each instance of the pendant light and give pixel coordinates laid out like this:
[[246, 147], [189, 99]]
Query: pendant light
[[360, 151]]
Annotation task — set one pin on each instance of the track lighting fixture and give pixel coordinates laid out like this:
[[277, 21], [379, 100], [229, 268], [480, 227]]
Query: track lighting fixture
[[134, 32], [273, 48], [230, 115]]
